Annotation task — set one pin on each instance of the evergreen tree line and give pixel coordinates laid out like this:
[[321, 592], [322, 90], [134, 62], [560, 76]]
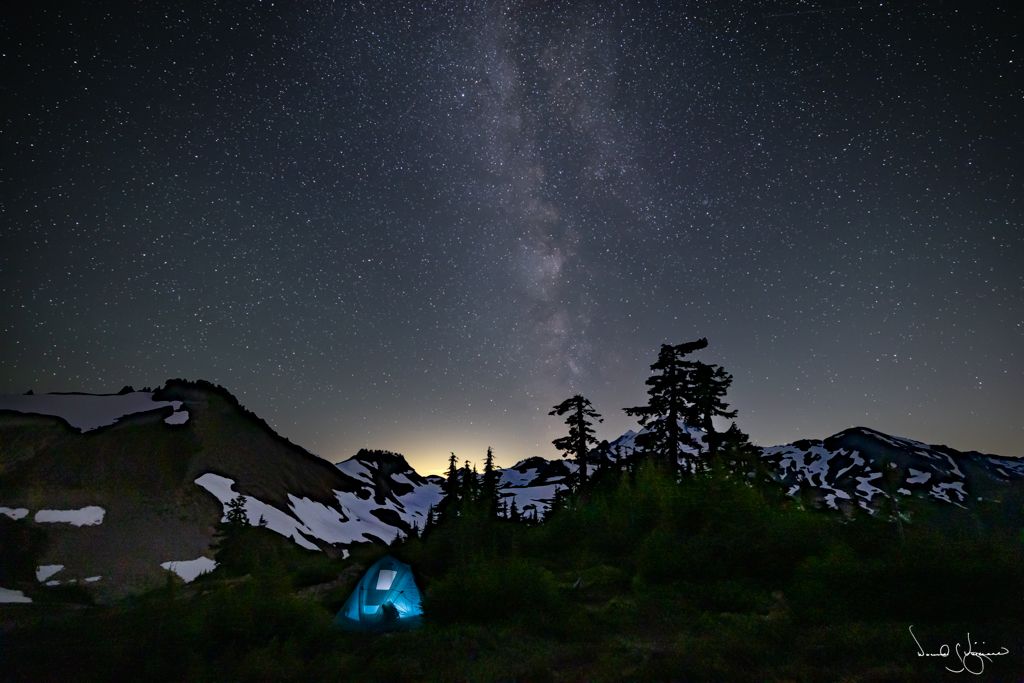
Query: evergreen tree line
[[473, 495], [683, 395]]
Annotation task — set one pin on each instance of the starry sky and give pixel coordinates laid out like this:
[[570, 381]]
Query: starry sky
[[418, 226]]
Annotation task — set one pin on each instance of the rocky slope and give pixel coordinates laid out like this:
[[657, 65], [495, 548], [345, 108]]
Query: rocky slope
[[122, 496]]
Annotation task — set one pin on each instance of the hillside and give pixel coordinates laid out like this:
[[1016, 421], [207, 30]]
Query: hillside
[[141, 470], [111, 491]]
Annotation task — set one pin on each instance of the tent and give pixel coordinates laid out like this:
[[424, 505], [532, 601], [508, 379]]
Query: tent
[[386, 598]]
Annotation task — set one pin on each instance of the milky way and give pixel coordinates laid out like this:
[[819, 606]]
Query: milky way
[[419, 226]]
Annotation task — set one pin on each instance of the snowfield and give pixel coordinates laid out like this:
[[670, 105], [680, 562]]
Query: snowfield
[[411, 507], [45, 571], [86, 412], [14, 513], [177, 418], [9, 596], [223, 489], [88, 516], [512, 477], [918, 477], [352, 519], [188, 570]]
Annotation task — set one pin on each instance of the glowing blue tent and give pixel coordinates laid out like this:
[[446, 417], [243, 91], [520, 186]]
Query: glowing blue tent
[[385, 598]]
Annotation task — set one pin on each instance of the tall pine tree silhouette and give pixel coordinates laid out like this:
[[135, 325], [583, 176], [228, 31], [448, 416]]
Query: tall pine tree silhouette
[[448, 506], [671, 390], [580, 416], [710, 384], [470, 485], [489, 485]]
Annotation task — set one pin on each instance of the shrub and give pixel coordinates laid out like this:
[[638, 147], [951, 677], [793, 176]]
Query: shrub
[[498, 589]]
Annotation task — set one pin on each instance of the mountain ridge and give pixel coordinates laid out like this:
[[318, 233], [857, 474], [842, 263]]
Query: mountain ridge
[[163, 477]]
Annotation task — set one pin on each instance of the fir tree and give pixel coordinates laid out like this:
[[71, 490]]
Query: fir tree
[[430, 522], [671, 393], [230, 546], [237, 518], [710, 384], [737, 441], [603, 455], [513, 512], [489, 485], [558, 501], [470, 483], [449, 504], [581, 415]]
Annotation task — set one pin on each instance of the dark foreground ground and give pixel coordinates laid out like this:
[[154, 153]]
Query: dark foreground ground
[[640, 579]]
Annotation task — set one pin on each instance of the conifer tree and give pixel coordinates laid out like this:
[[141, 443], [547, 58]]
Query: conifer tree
[[558, 501], [449, 505], [711, 382], [671, 393], [489, 485], [430, 522], [470, 485], [230, 546], [513, 512], [603, 454], [580, 420], [237, 518]]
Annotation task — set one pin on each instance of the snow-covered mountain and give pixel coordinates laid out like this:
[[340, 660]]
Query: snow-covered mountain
[[124, 487], [862, 468], [115, 490], [856, 469]]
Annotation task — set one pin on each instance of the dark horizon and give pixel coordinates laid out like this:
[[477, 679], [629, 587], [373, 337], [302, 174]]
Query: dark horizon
[[414, 228]]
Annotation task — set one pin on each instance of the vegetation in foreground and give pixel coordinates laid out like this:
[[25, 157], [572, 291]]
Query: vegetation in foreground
[[699, 570], [641, 578]]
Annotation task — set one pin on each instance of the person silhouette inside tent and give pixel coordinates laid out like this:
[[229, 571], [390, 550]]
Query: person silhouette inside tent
[[390, 613]]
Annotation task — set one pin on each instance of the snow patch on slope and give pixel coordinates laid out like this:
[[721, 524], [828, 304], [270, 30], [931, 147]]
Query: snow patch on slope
[[411, 507], [45, 571], [90, 515], [8, 596], [917, 476], [319, 520], [416, 504], [1013, 465], [531, 498], [515, 478], [188, 570], [87, 411], [14, 513], [222, 489], [179, 417]]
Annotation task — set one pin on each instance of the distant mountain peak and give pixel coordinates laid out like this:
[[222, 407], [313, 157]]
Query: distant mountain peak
[[862, 467], [204, 448]]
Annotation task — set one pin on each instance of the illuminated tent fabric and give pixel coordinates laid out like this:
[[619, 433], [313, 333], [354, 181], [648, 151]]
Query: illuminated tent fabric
[[385, 598]]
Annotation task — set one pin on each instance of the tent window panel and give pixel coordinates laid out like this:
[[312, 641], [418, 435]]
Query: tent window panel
[[385, 578]]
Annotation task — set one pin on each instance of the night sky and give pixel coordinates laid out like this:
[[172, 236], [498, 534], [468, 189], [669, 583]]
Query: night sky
[[419, 226]]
